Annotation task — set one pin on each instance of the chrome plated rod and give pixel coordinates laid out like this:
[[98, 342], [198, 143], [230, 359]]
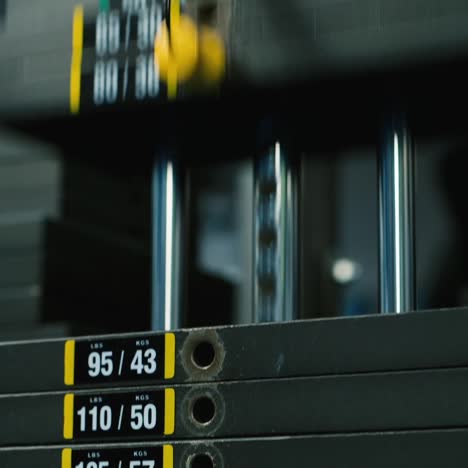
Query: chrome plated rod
[[396, 218], [275, 238], [167, 201]]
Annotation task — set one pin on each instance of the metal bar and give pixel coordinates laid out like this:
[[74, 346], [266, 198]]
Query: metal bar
[[396, 218], [275, 238], [167, 196]]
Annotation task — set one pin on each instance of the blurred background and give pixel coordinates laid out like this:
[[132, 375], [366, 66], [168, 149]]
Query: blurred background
[[75, 239]]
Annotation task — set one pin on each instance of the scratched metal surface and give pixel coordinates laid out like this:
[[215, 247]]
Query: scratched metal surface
[[425, 449], [367, 402], [428, 339]]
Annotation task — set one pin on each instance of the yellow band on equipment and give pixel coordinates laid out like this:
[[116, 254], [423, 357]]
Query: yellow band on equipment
[[68, 409], [169, 411], [169, 356], [67, 458], [77, 58], [69, 362], [168, 456]]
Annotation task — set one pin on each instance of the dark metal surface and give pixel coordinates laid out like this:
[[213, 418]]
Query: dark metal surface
[[317, 347], [332, 404], [424, 449]]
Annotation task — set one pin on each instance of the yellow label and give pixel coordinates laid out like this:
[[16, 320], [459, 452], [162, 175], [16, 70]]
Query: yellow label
[[67, 458], [77, 59], [68, 404], [169, 411], [168, 456], [175, 12], [183, 50], [169, 356], [69, 361], [176, 55]]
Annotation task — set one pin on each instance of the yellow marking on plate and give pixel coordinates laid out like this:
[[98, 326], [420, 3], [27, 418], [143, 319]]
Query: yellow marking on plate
[[169, 356], [68, 404], [69, 362], [169, 411], [77, 58], [168, 456], [67, 458]]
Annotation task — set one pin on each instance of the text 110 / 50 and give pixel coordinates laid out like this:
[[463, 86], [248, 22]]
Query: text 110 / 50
[[101, 418]]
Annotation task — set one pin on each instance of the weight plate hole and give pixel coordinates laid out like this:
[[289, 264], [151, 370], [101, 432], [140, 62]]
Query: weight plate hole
[[203, 355], [203, 410], [202, 460]]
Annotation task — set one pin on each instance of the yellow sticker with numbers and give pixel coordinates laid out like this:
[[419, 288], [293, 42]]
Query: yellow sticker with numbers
[[136, 359], [141, 455], [117, 415]]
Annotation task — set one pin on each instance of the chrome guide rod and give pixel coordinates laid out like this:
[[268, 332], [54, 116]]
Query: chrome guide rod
[[396, 218], [275, 238], [167, 208]]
